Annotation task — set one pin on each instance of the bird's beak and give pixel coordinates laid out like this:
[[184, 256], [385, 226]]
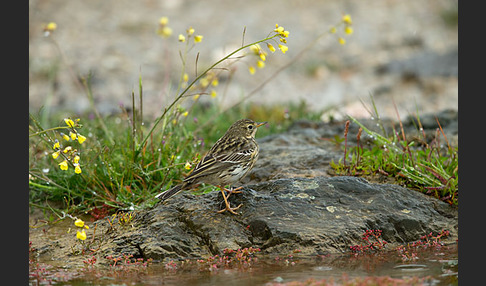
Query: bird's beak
[[261, 123]]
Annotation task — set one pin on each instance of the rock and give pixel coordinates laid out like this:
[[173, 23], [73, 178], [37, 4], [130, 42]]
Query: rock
[[289, 202], [302, 151], [425, 64], [317, 215]]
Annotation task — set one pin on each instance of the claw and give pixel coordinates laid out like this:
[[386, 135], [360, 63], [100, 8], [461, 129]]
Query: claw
[[228, 207]]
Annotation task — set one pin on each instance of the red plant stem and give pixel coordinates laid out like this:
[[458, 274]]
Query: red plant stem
[[346, 129]]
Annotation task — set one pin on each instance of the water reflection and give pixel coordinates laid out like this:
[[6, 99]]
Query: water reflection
[[431, 267]]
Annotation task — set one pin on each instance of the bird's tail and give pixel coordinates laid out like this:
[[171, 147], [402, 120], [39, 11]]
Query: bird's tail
[[169, 193]]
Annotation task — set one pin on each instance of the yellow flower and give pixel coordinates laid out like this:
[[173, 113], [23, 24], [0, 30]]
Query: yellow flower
[[63, 165], [72, 135], [64, 136], [196, 96], [213, 93], [283, 48], [51, 27], [77, 169], [347, 19], [81, 235], [79, 223], [260, 64], [182, 39], [56, 145], [251, 69], [204, 82], [190, 31], [255, 49], [271, 48], [187, 166], [215, 82], [348, 30], [198, 38], [76, 159], [55, 154], [279, 29], [67, 149], [185, 77], [185, 114], [332, 30], [69, 122], [165, 32], [342, 41], [163, 21], [81, 139]]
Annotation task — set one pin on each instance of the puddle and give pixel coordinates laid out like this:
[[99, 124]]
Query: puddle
[[433, 266]]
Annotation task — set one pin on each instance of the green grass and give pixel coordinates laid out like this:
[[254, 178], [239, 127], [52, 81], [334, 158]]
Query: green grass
[[429, 167], [123, 178]]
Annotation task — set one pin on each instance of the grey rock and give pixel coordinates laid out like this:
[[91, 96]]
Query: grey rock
[[448, 120], [425, 64], [288, 156], [289, 202], [317, 215]]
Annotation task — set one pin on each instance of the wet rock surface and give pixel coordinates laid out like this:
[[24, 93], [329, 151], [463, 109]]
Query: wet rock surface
[[290, 202], [317, 216]]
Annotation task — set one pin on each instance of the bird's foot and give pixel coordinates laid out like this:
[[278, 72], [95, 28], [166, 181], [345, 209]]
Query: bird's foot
[[228, 207]]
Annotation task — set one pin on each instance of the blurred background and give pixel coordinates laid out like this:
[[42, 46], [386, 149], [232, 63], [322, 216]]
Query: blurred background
[[401, 51]]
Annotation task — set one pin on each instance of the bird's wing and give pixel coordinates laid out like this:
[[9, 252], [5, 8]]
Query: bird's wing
[[214, 162], [206, 167], [241, 156]]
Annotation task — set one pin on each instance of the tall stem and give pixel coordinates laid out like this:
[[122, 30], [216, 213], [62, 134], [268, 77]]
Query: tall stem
[[157, 121]]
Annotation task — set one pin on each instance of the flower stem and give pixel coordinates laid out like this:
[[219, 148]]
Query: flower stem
[[191, 84]]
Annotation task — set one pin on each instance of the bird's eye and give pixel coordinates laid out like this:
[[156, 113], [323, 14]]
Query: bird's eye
[[250, 127]]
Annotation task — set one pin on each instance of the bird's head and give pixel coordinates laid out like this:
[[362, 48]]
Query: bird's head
[[245, 127]]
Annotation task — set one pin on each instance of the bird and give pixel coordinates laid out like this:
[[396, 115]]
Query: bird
[[228, 161]]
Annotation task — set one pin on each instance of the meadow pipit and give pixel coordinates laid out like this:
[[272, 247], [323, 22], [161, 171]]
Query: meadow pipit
[[228, 161]]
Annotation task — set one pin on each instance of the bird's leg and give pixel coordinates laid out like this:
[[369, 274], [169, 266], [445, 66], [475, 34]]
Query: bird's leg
[[228, 207]]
